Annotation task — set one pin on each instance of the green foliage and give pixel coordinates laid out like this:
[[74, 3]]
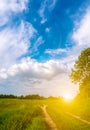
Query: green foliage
[[81, 72]]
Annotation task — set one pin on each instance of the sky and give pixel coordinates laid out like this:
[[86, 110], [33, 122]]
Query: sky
[[39, 44]]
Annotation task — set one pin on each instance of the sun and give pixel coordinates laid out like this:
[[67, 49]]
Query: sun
[[68, 96]]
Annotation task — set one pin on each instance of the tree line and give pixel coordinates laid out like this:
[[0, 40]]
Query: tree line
[[33, 96]]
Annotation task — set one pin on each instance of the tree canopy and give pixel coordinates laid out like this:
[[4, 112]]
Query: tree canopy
[[81, 71]]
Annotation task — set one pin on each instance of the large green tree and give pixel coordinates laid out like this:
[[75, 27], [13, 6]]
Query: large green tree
[[81, 72]]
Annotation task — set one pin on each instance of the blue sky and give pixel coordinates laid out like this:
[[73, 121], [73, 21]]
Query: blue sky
[[39, 43], [54, 21]]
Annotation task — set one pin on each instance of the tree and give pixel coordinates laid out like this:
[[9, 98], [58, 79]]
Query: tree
[[81, 72]]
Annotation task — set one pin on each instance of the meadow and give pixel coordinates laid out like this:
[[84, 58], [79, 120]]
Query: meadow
[[18, 114], [23, 114]]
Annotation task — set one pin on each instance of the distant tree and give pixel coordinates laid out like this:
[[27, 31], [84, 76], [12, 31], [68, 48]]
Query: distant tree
[[7, 96], [81, 72], [34, 96], [52, 97], [21, 97]]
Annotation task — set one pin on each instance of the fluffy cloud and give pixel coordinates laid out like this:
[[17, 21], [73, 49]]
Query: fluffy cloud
[[59, 85], [14, 42], [14, 6], [14, 35], [31, 69], [81, 34], [30, 76], [10, 7], [80, 38]]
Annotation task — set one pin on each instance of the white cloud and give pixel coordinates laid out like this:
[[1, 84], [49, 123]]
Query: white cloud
[[30, 76], [80, 38], [32, 69], [13, 5], [37, 43], [14, 42], [46, 5], [47, 30], [14, 36], [81, 34], [51, 4], [60, 85], [10, 7], [56, 51]]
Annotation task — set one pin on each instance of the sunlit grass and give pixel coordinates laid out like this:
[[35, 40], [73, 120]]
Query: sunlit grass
[[18, 114], [63, 120]]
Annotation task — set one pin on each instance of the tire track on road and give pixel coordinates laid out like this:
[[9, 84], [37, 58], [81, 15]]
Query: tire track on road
[[78, 118]]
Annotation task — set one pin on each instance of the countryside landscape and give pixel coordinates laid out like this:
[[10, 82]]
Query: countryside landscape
[[34, 112], [44, 65]]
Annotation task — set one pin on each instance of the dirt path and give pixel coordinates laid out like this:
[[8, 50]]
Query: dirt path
[[78, 118], [48, 119]]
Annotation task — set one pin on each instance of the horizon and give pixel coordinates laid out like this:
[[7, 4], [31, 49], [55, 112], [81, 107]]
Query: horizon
[[39, 44]]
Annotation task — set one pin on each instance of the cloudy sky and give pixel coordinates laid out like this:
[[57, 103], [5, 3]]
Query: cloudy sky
[[39, 43]]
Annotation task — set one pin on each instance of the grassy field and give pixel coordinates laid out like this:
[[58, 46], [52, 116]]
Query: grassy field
[[18, 114]]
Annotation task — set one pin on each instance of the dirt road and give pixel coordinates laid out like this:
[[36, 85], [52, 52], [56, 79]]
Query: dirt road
[[48, 119]]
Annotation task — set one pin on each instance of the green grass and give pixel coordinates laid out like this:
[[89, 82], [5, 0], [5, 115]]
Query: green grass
[[18, 114], [21, 115]]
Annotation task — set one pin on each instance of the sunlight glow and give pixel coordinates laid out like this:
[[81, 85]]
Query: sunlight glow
[[68, 96]]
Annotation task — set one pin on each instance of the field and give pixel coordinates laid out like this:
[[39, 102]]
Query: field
[[19, 114]]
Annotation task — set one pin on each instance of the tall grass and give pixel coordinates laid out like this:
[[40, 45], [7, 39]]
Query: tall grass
[[21, 115]]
